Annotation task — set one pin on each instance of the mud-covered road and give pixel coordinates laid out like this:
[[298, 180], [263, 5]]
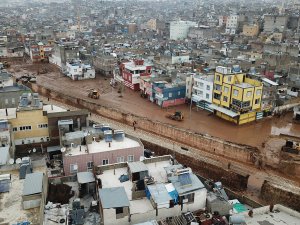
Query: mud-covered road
[[253, 134]]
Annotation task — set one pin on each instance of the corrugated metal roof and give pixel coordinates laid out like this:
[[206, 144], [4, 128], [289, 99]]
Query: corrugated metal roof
[[33, 183], [113, 197], [85, 177], [136, 167]]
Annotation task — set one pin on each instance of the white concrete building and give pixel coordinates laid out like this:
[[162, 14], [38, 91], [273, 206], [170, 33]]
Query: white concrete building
[[232, 24], [179, 29], [203, 88], [79, 71], [156, 189]]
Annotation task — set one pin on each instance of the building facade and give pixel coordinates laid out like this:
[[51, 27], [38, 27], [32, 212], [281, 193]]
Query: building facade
[[179, 29], [39, 52], [132, 71], [236, 98]]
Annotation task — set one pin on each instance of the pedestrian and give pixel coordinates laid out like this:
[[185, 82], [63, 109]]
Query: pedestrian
[[134, 125], [229, 165]]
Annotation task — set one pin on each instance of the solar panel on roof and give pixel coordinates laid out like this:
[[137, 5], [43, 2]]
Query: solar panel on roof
[[185, 179]]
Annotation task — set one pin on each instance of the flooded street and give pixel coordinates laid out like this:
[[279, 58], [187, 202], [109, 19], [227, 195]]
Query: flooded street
[[201, 121]]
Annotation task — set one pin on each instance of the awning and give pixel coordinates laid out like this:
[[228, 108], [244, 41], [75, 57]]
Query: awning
[[223, 110]]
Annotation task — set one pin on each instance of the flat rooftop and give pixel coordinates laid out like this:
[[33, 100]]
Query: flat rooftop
[[11, 210], [103, 146], [280, 216], [11, 113], [244, 85], [110, 178], [53, 109]]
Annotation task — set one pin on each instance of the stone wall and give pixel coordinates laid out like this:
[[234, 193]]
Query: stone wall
[[285, 195], [242, 153]]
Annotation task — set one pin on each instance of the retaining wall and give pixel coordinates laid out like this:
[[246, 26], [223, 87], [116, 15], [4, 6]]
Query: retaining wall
[[243, 153], [276, 194]]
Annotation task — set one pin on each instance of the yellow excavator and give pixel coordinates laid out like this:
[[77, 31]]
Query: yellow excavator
[[93, 93], [178, 116]]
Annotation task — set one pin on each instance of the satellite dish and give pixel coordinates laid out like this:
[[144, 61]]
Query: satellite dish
[[11, 161], [34, 149], [63, 149], [18, 160]]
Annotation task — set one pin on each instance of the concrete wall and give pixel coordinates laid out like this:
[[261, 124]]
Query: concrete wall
[[275, 194], [207, 169], [242, 153]]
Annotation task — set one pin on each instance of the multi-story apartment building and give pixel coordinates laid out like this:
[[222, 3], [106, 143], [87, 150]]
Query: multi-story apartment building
[[77, 70], [179, 29], [232, 24], [203, 90], [250, 30], [63, 53], [10, 92], [275, 23], [38, 52], [236, 98], [30, 125], [132, 71]]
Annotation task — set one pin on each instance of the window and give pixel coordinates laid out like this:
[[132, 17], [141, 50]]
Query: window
[[44, 125], [207, 96], [229, 78], [75, 70], [6, 101], [170, 95], [201, 84], [218, 77], [119, 210], [208, 87], [235, 93], [90, 165], [257, 101], [129, 77], [218, 87], [226, 89], [130, 158], [225, 99], [178, 92], [217, 96], [105, 162], [73, 168], [23, 128], [258, 92], [13, 101], [120, 159], [249, 93], [148, 71], [15, 129]]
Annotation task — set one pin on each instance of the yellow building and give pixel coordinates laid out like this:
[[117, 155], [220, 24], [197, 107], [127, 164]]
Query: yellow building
[[235, 97], [30, 124], [250, 30]]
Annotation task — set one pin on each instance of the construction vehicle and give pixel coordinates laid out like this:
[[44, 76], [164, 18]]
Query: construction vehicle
[[178, 116], [94, 94], [27, 78]]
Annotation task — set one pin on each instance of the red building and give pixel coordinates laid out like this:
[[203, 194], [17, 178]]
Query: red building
[[132, 71]]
